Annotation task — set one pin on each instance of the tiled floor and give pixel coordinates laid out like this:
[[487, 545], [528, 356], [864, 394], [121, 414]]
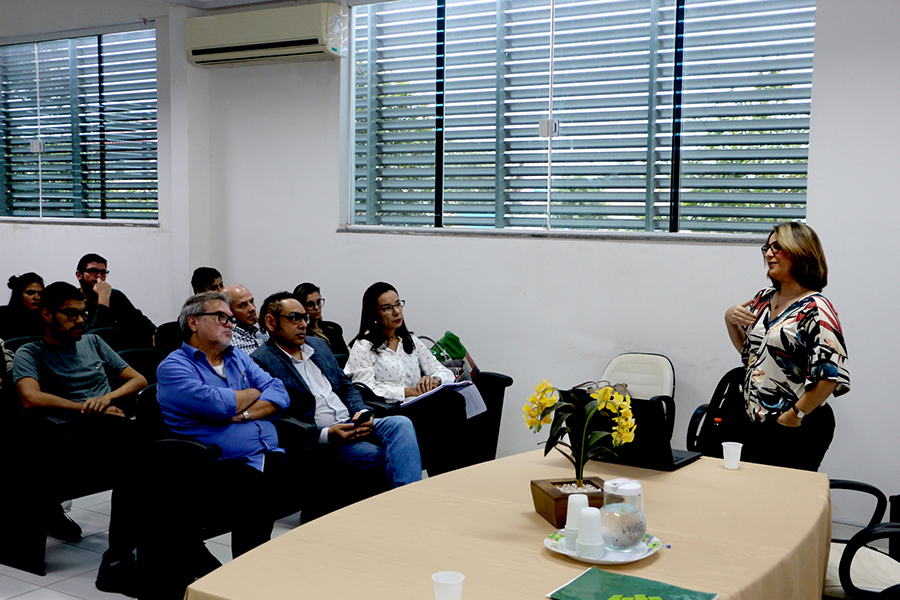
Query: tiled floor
[[72, 568]]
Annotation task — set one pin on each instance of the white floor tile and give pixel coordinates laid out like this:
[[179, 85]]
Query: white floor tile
[[99, 542], [45, 594], [93, 499], [90, 522], [10, 587], [224, 539], [82, 586], [220, 551]]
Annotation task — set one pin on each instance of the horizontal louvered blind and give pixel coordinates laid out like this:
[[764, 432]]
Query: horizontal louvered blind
[[92, 103], [745, 91]]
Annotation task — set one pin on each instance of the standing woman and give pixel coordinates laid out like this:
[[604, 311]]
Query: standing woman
[[385, 355], [22, 316], [792, 346], [309, 295]]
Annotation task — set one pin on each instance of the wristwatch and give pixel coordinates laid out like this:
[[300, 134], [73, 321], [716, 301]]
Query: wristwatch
[[247, 415], [800, 413]]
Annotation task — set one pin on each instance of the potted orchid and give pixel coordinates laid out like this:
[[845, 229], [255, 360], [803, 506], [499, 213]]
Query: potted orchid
[[576, 420]]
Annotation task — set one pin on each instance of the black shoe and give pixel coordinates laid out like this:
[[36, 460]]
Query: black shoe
[[62, 527], [118, 577]]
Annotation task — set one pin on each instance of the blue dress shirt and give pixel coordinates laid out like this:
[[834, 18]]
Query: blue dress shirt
[[197, 402]]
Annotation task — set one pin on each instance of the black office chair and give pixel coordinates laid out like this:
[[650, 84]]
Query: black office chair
[[144, 361], [714, 422], [14, 344], [855, 569], [120, 338]]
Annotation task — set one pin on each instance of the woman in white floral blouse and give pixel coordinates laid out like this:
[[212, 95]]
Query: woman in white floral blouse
[[792, 346]]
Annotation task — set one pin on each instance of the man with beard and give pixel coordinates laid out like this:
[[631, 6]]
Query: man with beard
[[66, 376], [109, 307]]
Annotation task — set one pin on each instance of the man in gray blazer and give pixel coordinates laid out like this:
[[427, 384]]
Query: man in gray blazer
[[322, 395]]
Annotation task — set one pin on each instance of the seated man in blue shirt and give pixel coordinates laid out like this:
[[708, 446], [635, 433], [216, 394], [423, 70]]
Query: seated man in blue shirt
[[208, 391], [66, 377], [323, 395]]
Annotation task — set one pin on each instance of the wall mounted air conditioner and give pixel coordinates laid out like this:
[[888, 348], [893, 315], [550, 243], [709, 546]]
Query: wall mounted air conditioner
[[279, 34]]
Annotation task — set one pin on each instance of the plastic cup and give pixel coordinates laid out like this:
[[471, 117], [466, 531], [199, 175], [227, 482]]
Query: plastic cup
[[573, 513], [731, 452], [448, 585], [590, 535]]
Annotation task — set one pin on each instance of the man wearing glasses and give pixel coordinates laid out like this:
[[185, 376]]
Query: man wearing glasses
[[109, 307], [322, 395], [66, 377], [209, 391]]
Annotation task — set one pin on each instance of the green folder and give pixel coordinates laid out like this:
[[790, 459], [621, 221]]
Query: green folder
[[596, 584]]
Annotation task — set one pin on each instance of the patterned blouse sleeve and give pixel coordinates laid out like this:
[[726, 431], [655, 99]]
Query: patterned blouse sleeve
[[430, 366], [828, 353], [361, 369]]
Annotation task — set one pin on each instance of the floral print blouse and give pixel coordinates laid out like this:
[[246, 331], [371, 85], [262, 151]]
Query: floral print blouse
[[787, 355], [388, 372]]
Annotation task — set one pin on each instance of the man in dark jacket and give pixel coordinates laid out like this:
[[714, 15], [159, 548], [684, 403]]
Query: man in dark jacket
[[322, 395], [109, 307]]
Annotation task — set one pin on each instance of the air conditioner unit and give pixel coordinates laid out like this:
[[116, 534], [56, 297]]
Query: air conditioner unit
[[280, 34]]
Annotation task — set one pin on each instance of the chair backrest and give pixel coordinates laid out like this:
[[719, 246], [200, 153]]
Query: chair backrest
[[14, 344], [646, 375], [144, 361]]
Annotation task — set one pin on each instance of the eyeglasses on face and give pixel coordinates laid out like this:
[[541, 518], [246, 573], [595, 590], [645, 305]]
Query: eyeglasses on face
[[221, 317], [775, 247], [296, 317], [96, 272], [314, 303], [386, 308], [72, 314]]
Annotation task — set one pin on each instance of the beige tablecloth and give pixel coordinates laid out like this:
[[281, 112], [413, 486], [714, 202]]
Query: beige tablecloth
[[757, 533]]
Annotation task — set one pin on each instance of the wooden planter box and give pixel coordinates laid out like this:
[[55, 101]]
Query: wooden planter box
[[552, 504]]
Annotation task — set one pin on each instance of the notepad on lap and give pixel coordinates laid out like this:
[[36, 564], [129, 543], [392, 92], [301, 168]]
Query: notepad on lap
[[596, 584]]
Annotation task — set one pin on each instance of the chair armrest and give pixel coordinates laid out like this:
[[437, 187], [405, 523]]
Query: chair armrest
[[189, 449], [858, 541], [382, 406], [498, 379], [693, 431], [858, 486], [669, 403], [292, 431]]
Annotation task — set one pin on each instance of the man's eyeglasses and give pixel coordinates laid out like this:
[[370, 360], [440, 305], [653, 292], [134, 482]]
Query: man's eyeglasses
[[73, 314], [221, 317], [314, 303], [386, 308], [296, 317], [95, 272], [775, 247]]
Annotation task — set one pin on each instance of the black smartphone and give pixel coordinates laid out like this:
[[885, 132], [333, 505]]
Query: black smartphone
[[363, 417]]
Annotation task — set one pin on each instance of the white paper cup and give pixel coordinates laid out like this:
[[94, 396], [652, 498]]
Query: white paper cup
[[731, 452], [590, 535], [448, 585], [573, 513]]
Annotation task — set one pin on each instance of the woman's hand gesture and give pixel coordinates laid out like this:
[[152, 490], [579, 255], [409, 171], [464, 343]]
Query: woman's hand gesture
[[740, 315]]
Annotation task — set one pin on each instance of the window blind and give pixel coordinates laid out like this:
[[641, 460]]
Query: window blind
[[743, 79], [91, 103]]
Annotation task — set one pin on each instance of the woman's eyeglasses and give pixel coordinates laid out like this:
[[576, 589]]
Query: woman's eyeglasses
[[221, 317], [314, 303], [296, 317], [386, 308], [775, 247]]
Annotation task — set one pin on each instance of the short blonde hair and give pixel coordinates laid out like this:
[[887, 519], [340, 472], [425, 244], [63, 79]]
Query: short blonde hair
[[805, 250]]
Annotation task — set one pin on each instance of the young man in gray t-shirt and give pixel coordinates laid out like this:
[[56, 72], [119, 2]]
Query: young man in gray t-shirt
[[67, 375]]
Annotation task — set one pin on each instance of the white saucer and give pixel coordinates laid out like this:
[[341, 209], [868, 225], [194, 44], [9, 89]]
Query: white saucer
[[556, 542]]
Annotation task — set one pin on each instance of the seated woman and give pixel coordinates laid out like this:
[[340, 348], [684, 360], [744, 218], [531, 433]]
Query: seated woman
[[386, 356], [395, 364], [22, 316], [309, 295]]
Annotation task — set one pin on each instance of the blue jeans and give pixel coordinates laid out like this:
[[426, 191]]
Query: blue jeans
[[391, 443]]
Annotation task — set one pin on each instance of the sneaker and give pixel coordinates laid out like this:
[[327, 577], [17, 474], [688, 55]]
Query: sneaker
[[118, 577], [62, 527]]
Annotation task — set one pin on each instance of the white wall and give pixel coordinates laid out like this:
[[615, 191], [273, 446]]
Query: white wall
[[253, 156]]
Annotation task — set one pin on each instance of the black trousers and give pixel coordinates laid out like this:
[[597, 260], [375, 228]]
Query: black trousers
[[191, 504], [801, 447]]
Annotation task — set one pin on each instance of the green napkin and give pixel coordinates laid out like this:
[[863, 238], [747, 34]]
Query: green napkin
[[596, 584]]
